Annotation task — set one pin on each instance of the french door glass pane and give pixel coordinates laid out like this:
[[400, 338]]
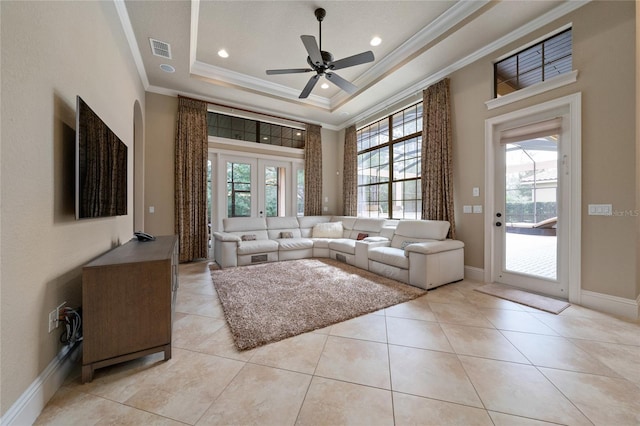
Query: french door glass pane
[[238, 189]]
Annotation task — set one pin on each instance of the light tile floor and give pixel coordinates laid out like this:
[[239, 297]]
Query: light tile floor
[[453, 356]]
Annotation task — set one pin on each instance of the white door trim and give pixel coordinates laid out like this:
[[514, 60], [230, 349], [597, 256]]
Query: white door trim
[[572, 164]]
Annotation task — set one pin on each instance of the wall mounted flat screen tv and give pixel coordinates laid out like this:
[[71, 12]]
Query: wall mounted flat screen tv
[[101, 167]]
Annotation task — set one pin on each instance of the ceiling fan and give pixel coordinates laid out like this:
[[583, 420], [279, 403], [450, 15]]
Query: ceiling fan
[[322, 62]]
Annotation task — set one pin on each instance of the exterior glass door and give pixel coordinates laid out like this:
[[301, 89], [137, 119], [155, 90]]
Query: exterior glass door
[[527, 214]]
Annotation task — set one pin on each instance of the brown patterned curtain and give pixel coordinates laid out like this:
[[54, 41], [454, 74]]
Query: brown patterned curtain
[[191, 179], [350, 173], [313, 171], [437, 174]]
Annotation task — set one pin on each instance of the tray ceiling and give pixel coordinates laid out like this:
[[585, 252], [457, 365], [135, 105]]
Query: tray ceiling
[[422, 42]]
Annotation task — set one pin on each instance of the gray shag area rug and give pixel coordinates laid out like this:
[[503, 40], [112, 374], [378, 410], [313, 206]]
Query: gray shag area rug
[[272, 301]]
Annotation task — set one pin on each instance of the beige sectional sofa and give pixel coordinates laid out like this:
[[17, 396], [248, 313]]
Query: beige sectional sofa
[[416, 252]]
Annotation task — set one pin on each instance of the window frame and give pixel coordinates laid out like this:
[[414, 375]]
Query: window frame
[[391, 144], [542, 63]]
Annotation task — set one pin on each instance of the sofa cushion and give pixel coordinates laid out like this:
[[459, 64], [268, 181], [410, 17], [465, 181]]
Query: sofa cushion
[[389, 256], [327, 230], [344, 245], [348, 223], [239, 224], [279, 225], [401, 242], [405, 243], [257, 246], [423, 229], [307, 223], [284, 222], [321, 242], [295, 243]]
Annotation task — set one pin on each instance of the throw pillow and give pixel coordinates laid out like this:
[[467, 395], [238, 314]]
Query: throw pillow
[[286, 234], [362, 236], [406, 243], [248, 237], [327, 230]]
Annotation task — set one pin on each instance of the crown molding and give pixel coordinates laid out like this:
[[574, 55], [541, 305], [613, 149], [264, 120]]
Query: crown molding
[[443, 23], [193, 31], [452, 16], [123, 14], [556, 13], [175, 93], [234, 78]]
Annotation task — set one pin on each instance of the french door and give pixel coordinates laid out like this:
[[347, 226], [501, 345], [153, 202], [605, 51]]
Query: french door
[[532, 238], [254, 187]]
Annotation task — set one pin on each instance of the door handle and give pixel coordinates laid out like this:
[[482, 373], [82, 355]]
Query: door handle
[[498, 224]]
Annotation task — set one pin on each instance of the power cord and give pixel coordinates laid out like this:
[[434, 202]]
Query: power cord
[[73, 326]]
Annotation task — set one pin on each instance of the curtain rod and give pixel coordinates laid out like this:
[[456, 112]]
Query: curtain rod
[[244, 110]]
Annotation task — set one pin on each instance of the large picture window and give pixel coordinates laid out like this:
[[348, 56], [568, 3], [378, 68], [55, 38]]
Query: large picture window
[[389, 166]]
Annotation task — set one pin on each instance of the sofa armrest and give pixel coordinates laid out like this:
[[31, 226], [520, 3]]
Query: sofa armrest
[[432, 247], [376, 240], [226, 237]]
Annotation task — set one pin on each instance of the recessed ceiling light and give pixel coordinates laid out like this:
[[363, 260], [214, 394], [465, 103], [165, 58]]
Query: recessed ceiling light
[[298, 134], [375, 41], [223, 53], [265, 138], [324, 86], [167, 68]]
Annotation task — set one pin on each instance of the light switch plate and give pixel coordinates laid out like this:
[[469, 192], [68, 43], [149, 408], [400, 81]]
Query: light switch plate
[[600, 209], [477, 209], [476, 191], [466, 209]]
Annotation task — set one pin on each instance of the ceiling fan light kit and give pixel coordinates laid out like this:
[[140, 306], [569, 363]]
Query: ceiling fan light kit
[[322, 62]]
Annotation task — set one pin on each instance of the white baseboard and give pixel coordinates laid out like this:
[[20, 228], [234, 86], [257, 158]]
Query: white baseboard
[[627, 308], [28, 407], [473, 273]]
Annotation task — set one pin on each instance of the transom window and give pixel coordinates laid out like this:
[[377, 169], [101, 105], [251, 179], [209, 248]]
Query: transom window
[[389, 166], [230, 127], [534, 64]]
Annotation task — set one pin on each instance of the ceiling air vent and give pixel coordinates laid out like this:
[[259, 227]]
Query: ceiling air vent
[[160, 48]]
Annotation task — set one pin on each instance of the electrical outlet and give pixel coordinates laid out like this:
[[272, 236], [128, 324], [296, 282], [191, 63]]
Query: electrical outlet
[[53, 320], [54, 317]]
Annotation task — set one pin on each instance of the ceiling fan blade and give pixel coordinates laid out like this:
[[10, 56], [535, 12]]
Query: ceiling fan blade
[[312, 49], [288, 71], [360, 58], [341, 83], [309, 87]]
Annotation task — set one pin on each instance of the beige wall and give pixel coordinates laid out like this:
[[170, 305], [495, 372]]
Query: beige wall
[[160, 134], [603, 53], [51, 52]]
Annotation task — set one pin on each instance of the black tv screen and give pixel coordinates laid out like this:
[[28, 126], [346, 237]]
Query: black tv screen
[[101, 167]]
